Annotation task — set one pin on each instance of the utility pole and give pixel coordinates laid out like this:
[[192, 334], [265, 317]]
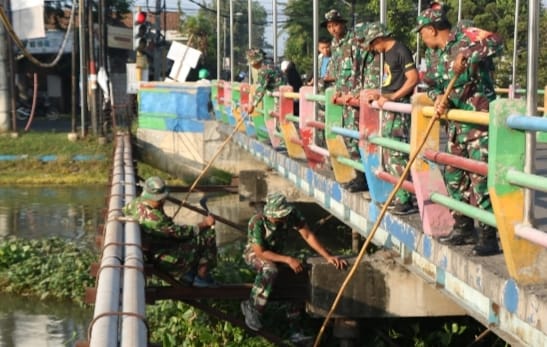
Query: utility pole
[[4, 84], [102, 60], [157, 42], [92, 71], [83, 67]]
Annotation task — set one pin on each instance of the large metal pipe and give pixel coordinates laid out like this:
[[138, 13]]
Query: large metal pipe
[[133, 328], [104, 327]]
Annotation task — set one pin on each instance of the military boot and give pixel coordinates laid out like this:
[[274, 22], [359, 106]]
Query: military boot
[[463, 232], [488, 242], [358, 184]]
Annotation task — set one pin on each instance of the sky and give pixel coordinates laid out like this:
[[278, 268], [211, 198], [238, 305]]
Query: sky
[[192, 9]]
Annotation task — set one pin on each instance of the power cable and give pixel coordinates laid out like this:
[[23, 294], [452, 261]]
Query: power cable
[[9, 28]]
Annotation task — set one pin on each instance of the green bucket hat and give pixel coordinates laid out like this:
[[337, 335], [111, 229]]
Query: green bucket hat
[[255, 55], [434, 14], [367, 33], [154, 189], [333, 16], [277, 206]]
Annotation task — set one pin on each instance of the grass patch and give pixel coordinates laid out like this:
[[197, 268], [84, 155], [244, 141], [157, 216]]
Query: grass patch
[[63, 170]]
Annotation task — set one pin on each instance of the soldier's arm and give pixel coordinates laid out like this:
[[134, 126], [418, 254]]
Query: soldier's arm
[[262, 83]]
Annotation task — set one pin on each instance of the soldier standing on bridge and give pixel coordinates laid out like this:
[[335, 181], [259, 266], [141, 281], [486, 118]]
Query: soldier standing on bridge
[[400, 76], [270, 78], [267, 235], [464, 51], [345, 54], [178, 249]]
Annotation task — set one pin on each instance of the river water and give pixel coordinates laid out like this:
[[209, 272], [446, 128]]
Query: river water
[[29, 212], [76, 213]]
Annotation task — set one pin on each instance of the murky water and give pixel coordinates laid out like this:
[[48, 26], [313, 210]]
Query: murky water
[[68, 212], [75, 213]]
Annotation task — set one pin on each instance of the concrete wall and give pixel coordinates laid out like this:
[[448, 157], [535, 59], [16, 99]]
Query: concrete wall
[[381, 287]]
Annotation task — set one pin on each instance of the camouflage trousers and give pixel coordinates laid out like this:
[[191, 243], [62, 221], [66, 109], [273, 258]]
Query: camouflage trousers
[[320, 133], [396, 126], [266, 273], [466, 186], [178, 256], [350, 121]]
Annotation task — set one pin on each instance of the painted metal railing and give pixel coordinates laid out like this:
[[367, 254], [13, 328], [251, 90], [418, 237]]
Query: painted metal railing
[[119, 313], [427, 180]]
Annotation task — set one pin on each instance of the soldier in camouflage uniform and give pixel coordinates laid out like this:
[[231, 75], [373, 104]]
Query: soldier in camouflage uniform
[[398, 82], [178, 249], [464, 50], [267, 235], [345, 55], [270, 78]]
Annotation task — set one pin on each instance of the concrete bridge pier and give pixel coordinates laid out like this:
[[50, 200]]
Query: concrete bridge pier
[[381, 287]]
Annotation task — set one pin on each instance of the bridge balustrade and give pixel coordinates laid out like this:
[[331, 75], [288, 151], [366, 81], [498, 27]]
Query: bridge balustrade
[[521, 244]]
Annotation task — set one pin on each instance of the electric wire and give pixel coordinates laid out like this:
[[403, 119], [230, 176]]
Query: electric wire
[[11, 32]]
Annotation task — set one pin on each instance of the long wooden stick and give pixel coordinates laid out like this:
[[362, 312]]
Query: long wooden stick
[[196, 181], [205, 213], [376, 225]]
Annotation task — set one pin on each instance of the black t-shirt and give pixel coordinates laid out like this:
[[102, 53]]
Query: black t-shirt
[[397, 61]]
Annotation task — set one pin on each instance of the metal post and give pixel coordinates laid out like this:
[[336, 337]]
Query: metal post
[[515, 45], [250, 25], [4, 87], [315, 42], [418, 37], [92, 72], [231, 41], [83, 68], [531, 104], [459, 10], [274, 11], [157, 39], [218, 41]]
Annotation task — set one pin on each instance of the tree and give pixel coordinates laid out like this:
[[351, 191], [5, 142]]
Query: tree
[[401, 17], [493, 15], [203, 28]]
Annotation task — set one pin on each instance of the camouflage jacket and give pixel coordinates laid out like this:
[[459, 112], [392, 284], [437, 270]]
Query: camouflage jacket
[[154, 222], [345, 56], [269, 79], [474, 88], [368, 72], [272, 236]]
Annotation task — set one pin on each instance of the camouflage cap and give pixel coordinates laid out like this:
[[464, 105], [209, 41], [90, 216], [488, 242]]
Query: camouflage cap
[[333, 16], [154, 189], [255, 55], [367, 33], [277, 206], [435, 14]]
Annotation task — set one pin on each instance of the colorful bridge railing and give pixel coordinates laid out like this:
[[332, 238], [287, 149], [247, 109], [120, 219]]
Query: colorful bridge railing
[[522, 244]]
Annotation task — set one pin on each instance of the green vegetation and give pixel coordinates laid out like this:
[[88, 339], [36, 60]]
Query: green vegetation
[[63, 170], [49, 269]]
